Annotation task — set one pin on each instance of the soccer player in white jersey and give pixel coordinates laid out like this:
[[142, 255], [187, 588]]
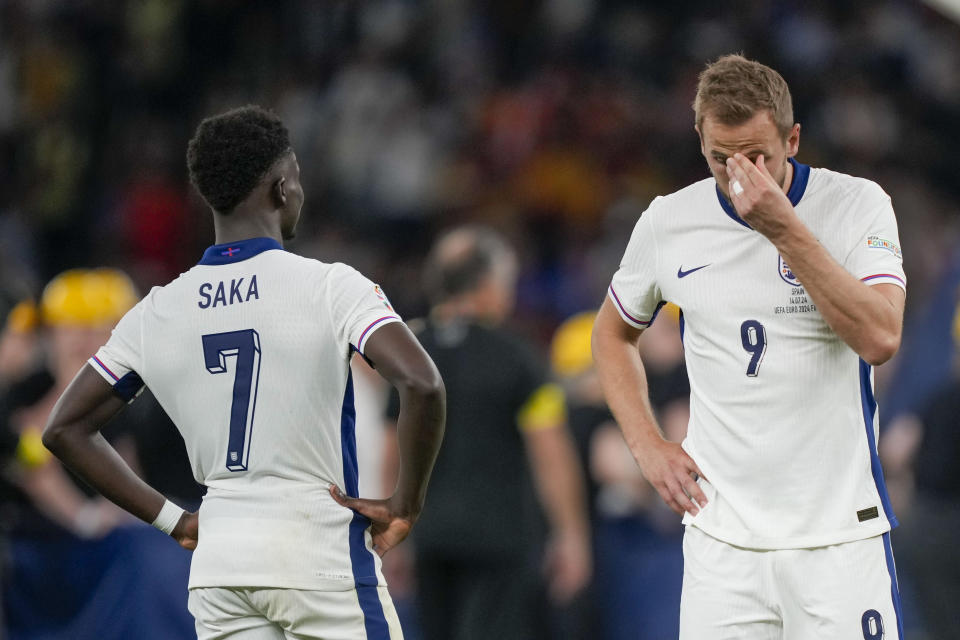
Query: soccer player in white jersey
[[791, 285], [249, 354]]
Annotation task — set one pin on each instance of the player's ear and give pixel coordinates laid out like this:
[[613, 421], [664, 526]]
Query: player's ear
[[279, 192], [793, 140]]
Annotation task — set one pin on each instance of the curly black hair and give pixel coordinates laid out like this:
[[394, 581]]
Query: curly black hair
[[231, 152]]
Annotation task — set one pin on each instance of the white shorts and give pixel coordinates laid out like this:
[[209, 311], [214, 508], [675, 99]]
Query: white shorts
[[841, 592], [364, 613]]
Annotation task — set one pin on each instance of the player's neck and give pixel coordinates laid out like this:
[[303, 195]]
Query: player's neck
[[787, 178], [243, 225]]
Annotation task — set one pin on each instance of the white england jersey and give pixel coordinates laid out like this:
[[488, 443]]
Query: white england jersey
[[249, 354], [783, 421]]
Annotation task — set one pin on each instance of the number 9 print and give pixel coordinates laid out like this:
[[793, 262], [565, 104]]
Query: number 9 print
[[872, 624], [754, 338]]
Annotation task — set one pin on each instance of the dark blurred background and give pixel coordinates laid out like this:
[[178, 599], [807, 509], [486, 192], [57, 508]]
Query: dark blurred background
[[553, 121]]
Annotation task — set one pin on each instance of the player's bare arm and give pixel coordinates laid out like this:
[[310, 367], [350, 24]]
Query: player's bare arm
[[868, 318], [398, 356], [73, 435], [664, 464]]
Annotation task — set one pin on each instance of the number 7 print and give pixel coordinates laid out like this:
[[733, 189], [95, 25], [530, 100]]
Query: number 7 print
[[245, 345]]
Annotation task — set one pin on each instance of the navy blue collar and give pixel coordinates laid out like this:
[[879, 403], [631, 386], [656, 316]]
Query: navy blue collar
[[237, 251], [801, 174]]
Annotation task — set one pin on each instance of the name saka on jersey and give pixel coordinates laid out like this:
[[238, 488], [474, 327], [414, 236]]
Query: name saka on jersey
[[219, 296]]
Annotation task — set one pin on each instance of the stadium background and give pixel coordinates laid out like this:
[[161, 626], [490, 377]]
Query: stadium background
[[553, 121]]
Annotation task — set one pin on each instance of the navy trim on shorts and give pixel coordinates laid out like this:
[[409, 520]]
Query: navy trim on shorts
[[894, 586]]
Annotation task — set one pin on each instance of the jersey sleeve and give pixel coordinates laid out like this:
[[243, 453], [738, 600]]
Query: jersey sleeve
[[359, 307], [875, 255], [121, 358], [634, 289]]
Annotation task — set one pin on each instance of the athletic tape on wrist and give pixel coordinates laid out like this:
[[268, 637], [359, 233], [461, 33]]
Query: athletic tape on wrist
[[168, 517]]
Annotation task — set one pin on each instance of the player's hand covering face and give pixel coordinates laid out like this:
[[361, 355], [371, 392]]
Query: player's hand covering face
[[756, 137], [757, 197]]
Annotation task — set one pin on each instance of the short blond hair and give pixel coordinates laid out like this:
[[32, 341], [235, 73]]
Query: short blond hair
[[733, 89]]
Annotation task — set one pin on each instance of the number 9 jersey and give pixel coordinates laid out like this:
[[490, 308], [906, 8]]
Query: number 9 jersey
[[783, 421], [249, 354]]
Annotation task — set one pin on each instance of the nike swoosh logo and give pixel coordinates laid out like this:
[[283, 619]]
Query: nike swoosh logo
[[683, 274]]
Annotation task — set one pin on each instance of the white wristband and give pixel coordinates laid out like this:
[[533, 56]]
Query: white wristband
[[168, 517]]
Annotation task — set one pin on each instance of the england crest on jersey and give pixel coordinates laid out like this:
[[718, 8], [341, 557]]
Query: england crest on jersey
[[787, 274]]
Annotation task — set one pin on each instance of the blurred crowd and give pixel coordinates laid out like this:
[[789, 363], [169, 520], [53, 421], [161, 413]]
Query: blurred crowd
[[554, 122]]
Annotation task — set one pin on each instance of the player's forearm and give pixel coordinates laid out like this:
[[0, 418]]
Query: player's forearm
[[624, 385], [862, 317], [419, 434], [400, 358], [558, 479], [73, 435], [389, 467], [98, 464]]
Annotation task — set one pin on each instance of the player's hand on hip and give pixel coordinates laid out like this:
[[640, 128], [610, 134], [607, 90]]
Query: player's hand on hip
[[757, 197], [187, 530], [388, 527], [673, 473]]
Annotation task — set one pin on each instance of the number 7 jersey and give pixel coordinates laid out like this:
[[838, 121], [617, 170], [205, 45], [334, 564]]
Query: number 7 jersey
[[783, 421], [249, 354]]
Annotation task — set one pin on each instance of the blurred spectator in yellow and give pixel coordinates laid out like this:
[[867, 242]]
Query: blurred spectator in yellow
[[72, 556], [77, 311], [507, 454], [637, 545]]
